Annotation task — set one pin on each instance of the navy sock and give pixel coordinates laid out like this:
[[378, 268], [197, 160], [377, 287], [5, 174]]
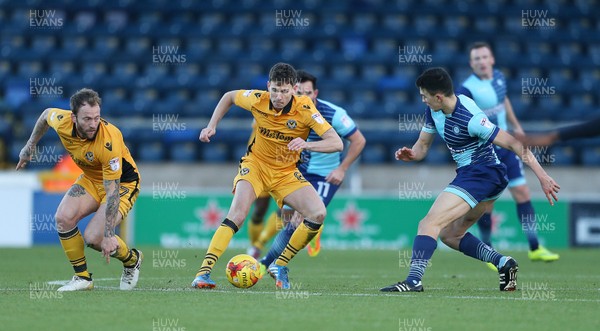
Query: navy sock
[[423, 249], [282, 239], [528, 223], [475, 248], [485, 228]]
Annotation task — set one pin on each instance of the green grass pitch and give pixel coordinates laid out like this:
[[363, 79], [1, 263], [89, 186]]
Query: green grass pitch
[[338, 290]]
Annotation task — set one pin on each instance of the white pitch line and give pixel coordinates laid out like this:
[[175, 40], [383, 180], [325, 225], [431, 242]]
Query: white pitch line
[[307, 293]]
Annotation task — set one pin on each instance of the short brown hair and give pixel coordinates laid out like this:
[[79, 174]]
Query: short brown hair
[[480, 44], [283, 73], [82, 97]]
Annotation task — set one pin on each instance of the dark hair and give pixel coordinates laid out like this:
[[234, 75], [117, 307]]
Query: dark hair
[[283, 73], [304, 76], [436, 80], [480, 44], [83, 96]]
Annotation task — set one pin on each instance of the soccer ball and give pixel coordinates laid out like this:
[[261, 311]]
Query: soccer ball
[[242, 271]]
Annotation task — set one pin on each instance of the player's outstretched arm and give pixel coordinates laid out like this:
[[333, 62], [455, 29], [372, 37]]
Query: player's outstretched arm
[[227, 100], [40, 128], [549, 186], [419, 149], [330, 143], [357, 143]]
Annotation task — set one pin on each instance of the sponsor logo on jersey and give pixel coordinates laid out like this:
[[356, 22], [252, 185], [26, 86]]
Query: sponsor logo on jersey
[[108, 145], [244, 171], [59, 117], [274, 134]]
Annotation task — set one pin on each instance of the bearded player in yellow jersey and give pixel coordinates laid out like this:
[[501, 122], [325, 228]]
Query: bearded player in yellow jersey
[[108, 186], [283, 122]]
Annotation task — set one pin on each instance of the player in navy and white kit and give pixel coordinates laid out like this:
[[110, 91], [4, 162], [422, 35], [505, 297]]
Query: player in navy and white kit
[[487, 87], [325, 172], [480, 179]]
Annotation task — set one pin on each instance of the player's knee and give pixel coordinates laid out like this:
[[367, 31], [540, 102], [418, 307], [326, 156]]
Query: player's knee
[[319, 215], [521, 193], [92, 238], [64, 222]]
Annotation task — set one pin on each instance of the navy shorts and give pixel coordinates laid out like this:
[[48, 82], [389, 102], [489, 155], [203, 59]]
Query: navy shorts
[[325, 190], [514, 166], [479, 182]]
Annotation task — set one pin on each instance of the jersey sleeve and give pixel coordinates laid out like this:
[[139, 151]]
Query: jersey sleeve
[[465, 91], [429, 125], [342, 123], [58, 118], [314, 119], [246, 98], [480, 126], [112, 155]]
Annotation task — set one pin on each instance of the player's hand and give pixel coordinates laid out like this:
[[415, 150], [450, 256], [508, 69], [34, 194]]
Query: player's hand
[[297, 144], [405, 154], [206, 133], [24, 156], [550, 188], [336, 176], [109, 245]]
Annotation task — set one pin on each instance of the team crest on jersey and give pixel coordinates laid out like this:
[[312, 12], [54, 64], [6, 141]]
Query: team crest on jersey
[[299, 176], [244, 171], [89, 156], [456, 129], [291, 124]]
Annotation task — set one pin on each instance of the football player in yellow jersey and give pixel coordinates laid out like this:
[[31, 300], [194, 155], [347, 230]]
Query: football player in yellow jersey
[[108, 186], [283, 122]]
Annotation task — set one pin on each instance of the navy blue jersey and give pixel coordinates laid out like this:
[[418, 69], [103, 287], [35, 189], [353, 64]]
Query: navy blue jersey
[[489, 95], [468, 133]]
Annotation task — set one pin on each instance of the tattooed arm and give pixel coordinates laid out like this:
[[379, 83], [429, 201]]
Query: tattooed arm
[[109, 243], [40, 128]]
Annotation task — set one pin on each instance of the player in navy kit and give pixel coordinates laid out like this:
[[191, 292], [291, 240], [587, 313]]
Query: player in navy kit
[[480, 179], [487, 87]]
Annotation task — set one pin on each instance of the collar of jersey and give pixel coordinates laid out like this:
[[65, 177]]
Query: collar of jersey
[[286, 109]]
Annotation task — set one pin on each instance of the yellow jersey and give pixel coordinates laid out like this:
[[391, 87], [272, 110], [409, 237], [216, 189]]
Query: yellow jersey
[[275, 129], [103, 158]]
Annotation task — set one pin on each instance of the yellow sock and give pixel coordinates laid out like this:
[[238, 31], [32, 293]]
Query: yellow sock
[[218, 245], [269, 231], [254, 230], [73, 245], [124, 254], [301, 237]]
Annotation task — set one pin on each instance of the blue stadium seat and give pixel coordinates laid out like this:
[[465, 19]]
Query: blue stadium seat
[[150, 152], [373, 154], [564, 155], [591, 156], [183, 152], [214, 153]]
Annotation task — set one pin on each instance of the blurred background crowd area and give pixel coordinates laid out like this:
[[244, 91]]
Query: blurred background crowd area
[[161, 66]]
